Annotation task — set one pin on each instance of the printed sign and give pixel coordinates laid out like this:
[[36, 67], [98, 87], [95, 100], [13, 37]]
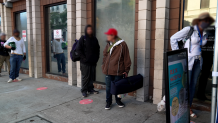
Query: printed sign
[[58, 34], [24, 35], [177, 87]]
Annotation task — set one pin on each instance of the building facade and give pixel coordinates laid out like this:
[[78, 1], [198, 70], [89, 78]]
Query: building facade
[[146, 26]]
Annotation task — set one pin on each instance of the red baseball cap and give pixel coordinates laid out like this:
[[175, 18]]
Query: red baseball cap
[[111, 31]]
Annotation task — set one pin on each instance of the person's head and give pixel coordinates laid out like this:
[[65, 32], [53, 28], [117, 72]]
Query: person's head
[[16, 33], [89, 30], [112, 34], [3, 36], [203, 21]]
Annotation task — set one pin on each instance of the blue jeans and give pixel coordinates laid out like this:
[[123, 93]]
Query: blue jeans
[[108, 80], [61, 60], [15, 62], [193, 78]]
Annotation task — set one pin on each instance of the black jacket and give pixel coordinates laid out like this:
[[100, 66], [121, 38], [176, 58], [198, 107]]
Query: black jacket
[[88, 49], [3, 50]]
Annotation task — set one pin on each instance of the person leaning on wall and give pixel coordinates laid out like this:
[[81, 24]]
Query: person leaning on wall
[[116, 63], [89, 51], [4, 55], [198, 39]]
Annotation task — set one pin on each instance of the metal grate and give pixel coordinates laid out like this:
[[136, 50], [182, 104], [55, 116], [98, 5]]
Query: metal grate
[[34, 119]]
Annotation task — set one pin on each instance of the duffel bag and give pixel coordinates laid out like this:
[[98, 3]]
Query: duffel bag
[[127, 85]]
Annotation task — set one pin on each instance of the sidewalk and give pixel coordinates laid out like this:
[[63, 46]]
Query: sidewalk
[[60, 104]]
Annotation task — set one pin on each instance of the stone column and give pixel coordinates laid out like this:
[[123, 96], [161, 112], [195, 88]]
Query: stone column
[[80, 25], [37, 41], [7, 21], [71, 36], [3, 29], [30, 37], [161, 45], [143, 47]]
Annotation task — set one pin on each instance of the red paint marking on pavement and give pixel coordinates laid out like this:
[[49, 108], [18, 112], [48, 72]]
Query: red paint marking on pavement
[[41, 88], [86, 101]]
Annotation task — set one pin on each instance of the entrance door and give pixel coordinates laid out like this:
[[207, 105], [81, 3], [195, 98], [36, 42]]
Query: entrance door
[[118, 14], [21, 25], [56, 39]]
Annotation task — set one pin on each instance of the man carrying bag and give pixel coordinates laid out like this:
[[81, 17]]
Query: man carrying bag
[[116, 62]]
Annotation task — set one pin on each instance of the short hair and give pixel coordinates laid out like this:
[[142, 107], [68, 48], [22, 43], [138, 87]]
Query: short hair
[[16, 31]]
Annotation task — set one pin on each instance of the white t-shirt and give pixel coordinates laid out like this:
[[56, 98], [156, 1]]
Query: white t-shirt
[[20, 46]]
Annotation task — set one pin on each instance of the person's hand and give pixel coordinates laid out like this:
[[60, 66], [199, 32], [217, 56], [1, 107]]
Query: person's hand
[[13, 48], [24, 57], [126, 75]]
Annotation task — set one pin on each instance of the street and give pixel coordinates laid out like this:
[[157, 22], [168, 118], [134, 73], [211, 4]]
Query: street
[[21, 102]]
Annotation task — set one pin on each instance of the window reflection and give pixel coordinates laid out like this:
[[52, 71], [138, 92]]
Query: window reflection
[[119, 14], [195, 7], [57, 17]]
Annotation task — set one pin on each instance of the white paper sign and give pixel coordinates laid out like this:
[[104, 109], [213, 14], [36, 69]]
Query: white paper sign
[[58, 34], [24, 35]]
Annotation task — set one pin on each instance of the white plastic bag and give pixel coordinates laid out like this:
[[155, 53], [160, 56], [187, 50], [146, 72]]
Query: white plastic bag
[[161, 105]]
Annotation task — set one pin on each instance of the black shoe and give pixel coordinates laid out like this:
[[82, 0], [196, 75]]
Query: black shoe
[[93, 92], [84, 94], [108, 106], [120, 104]]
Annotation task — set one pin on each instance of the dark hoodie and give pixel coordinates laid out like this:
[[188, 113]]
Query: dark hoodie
[[88, 49]]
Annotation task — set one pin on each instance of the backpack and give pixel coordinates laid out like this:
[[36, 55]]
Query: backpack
[[182, 42], [73, 53]]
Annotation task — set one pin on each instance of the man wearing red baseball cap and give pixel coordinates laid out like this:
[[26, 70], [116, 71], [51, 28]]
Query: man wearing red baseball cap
[[116, 63]]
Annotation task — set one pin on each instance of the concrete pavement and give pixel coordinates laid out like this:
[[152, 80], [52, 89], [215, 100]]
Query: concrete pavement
[[60, 104]]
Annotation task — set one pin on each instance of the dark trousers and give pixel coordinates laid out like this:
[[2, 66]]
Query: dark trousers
[[88, 76], [108, 80], [15, 62], [61, 61], [205, 73]]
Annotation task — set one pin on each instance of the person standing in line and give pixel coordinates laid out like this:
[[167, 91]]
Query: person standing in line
[[4, 55], [18, 54], [116, 63], [59, 54], [195, 60], [89, 50]]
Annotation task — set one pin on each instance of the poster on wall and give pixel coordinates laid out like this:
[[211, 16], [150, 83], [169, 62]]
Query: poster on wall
[[57, 34], [24, 35], [177, 87]]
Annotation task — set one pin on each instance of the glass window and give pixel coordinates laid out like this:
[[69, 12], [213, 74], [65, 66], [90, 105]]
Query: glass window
[[57, 40], [119, 14], [21, 25], [205, 4], [196, 7]]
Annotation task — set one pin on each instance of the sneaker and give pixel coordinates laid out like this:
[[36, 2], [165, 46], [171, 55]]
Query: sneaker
[[10, 80], [93, 92], [18, 79], [120, 104], [84, 94], [108, 106]]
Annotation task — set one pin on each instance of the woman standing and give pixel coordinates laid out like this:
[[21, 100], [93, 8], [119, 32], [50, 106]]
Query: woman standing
[[116, 62], [194, 45]]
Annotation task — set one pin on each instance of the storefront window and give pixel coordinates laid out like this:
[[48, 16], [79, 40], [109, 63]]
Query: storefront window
[[119, 14], [57, 40], [21, 25], [194, 7]]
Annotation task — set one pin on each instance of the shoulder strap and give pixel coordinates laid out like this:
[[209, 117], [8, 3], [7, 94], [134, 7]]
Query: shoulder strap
[[190, 32], [189, 37]]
